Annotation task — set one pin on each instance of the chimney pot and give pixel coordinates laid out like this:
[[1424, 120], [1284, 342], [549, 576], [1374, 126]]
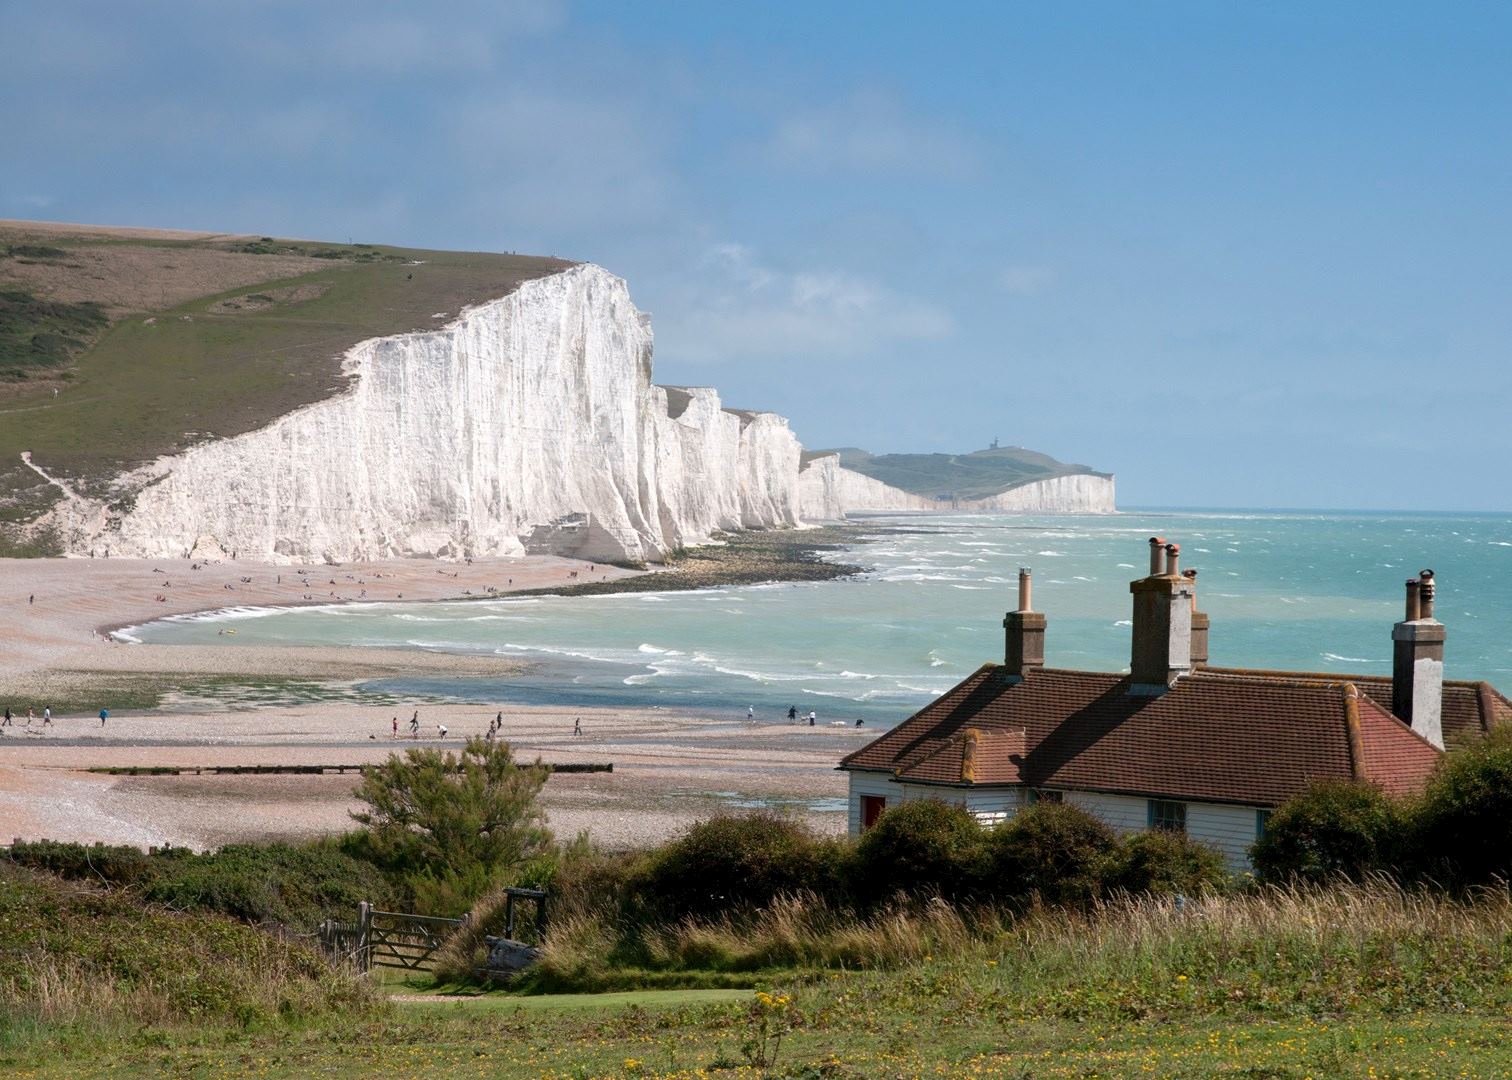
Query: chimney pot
[[1162, 638], [1417, 663], [1024, 632]]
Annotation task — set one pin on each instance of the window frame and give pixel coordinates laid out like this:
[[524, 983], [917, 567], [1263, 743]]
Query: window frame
[[1169, 815], [868, 803]]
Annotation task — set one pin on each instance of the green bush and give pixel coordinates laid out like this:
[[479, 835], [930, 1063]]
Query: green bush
[[923, 848], [1049, 852], [729, 863], [108, 864], [1462, 832], [1161, 861], [294, 885], [453, 824], [1333, 830]]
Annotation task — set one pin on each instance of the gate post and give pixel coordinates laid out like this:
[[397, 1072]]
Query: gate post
[[364, 931]]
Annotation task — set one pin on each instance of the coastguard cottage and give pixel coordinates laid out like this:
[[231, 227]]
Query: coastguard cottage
[[1173, 744]]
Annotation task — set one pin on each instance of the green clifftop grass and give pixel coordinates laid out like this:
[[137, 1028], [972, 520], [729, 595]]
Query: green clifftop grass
[[976, 475], [164, 376]]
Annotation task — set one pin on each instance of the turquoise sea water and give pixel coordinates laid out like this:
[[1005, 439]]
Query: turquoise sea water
[[1298, 590]]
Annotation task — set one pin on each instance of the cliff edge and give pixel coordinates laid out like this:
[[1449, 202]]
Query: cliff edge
[[529, 423]]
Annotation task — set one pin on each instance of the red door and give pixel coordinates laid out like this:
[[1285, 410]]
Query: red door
[[871, 809]]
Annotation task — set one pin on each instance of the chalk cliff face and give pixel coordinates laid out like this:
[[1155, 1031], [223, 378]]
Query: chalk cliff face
[[530, 423], [1081, 493], [828, 490]]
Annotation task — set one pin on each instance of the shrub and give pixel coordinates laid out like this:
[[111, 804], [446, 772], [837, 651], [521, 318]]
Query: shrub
[[1332, 830], [1161, 861], [923, 848], [454, 823], [1462, 833], [108, 864], [731, 862], [296, 885], [1049, 852]]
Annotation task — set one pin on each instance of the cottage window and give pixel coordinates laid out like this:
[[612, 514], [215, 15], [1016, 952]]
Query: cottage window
[[1167, 815], [1037, 795], [1262, 821], [871, 809]]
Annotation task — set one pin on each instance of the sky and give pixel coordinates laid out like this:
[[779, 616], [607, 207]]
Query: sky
[[1239, 255]]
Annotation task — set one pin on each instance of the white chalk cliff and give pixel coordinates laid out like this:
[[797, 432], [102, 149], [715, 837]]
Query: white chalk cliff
[[530, 423], [828, 491]]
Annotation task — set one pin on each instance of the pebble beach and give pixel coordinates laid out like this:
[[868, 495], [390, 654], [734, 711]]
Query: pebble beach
[[669, 767]]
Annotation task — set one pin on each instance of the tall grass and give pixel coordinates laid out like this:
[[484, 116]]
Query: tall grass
[[1375, 947], [71, 954]]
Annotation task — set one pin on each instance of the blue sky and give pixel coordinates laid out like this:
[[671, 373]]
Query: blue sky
[[1242, 255]]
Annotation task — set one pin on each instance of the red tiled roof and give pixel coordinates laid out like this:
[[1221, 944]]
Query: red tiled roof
[[1469, 708], [1256, 738], [969, 756]]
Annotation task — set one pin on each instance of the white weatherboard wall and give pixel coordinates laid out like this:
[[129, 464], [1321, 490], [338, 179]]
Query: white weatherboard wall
[[1229, 828], [529, 419]]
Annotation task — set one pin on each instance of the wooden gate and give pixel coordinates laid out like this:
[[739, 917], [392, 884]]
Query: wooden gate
[[398, 939]]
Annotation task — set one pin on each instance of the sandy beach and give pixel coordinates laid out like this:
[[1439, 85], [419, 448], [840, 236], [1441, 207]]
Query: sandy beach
[[669, 768]]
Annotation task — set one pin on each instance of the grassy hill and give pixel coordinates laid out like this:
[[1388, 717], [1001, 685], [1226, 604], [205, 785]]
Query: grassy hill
[[119, 345], [962, 476]]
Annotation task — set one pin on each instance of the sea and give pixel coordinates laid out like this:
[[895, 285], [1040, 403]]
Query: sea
[[1299, 590]]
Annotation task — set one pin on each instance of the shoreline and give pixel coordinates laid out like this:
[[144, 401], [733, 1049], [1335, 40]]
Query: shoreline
[[295, 704]]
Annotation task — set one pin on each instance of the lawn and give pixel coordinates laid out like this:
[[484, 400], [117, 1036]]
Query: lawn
[[849, 1026]]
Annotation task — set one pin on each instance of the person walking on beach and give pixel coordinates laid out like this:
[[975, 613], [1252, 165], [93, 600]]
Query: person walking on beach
[[7, 722], [104, 715], [792, 714], [396, 727], [442, 729], [47, 716], [750, 712], [415, 726], [812, 717], [577, 726], [28, 716]]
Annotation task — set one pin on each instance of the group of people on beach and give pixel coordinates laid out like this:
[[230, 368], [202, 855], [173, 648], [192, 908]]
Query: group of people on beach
[[7, 718], [495, 726]]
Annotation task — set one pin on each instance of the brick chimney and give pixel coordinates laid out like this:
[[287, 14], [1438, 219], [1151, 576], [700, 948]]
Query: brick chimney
[[1025, 632], [1162, 645], [1417, 663], [1200, 625]]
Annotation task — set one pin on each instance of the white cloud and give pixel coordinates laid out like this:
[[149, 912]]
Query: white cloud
[[741, 308], [870, 132]]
